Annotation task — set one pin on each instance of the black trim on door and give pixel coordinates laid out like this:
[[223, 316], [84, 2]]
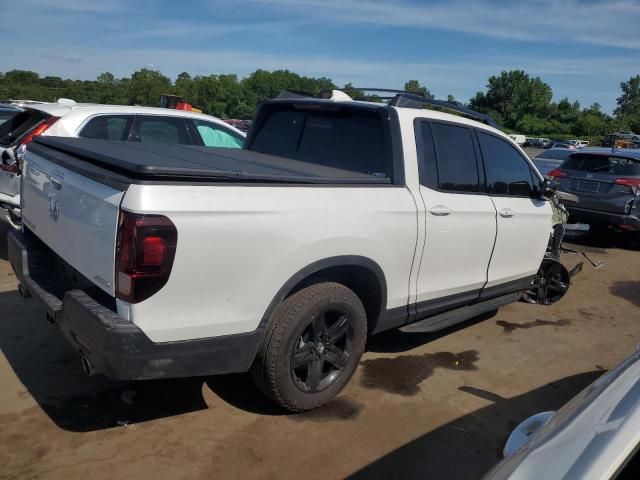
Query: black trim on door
[[428, 308], [505, 288]]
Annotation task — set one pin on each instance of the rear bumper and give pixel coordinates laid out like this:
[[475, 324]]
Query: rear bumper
[[114, 346], [582, 215]]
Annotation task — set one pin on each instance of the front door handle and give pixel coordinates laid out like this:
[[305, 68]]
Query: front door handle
[[440, 210], [507, 213]]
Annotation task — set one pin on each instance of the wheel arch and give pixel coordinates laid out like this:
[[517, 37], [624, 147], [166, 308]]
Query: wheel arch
[[361, 274]]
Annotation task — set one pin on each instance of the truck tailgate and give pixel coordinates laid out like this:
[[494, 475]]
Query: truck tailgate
[[75, 216]]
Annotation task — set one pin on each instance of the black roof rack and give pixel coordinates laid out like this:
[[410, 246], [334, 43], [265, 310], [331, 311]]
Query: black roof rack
[[411, 100], [284, 94], [385, 90]]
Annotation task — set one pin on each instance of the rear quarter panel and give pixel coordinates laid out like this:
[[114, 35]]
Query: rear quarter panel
[[238, 245]]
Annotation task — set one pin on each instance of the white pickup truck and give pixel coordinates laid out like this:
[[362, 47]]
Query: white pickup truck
[[339, 219]]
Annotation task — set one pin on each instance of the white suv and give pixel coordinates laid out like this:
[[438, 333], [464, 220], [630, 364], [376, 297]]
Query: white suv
[[67, 118]]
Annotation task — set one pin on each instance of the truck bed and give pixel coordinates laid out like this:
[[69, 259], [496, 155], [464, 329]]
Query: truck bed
[[114, 162]]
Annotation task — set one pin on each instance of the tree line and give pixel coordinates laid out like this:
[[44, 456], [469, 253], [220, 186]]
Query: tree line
[[517, 101]]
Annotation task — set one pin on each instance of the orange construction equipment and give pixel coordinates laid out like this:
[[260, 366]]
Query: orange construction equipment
[[178, 103]]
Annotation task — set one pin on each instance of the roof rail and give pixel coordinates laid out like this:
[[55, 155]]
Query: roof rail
[[411, 100], [383, 90], [294, 94]]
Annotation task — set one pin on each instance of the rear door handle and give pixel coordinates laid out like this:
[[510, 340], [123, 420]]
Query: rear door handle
[[440, 210], [507, 213]]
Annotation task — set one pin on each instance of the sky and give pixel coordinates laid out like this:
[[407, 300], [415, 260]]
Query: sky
[[582, 48]]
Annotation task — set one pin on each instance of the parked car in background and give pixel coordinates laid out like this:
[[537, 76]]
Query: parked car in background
[[242, 125], [67, 118], [594, 436], [607, 184], [537, 142], [561, 144], [543, 143], [519, 139], [551, 159]]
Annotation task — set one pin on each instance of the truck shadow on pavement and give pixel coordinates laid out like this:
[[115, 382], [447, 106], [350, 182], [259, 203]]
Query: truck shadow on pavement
[[50, 370], [470, 446], [395, 341]]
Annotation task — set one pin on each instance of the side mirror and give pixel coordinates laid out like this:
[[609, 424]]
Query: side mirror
[[548, 188]]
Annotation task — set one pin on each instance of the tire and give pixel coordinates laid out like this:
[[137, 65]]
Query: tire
[[312, 346]]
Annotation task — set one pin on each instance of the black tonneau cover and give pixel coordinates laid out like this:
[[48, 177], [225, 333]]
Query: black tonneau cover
[[153, 162]]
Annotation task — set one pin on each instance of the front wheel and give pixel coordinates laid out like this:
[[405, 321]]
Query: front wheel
[[313, 344]]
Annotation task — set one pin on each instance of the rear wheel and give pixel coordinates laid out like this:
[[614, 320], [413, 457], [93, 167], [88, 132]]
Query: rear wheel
[[313, 344]]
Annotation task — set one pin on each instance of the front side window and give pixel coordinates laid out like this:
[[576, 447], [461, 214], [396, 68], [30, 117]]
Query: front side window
[[507, 172], [108, 127], [213, 135], [157, 129]]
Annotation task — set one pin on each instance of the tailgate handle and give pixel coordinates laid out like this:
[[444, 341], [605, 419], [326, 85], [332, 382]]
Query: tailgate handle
[[440, 210], [507, 213]]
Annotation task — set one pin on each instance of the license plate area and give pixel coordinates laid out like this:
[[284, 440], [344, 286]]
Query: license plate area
[[588, 186]]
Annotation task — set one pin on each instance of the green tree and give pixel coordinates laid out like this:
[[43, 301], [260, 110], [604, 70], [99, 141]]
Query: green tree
[[512, 95], [183, 85], [355, 94], [146, 86], [629, 101], [414, 86], [265, 85]]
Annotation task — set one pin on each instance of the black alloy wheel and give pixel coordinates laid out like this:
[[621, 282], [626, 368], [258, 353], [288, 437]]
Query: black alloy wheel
[[322, 351]]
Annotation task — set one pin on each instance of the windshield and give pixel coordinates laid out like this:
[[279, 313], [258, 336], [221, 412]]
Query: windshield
[[18, 124], [348, 139], [603, 164]]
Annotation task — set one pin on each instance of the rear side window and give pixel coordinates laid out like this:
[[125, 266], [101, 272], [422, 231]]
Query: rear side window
[[456, 164], [507, 172], [213, 135], [157, 129], [108, 127], [603, 164], [348, 139], [18, 125]]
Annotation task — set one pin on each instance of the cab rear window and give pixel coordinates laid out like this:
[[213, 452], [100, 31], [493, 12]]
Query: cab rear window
[[603, 164], [349, 139]]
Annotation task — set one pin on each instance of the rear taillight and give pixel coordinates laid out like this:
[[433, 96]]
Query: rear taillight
[[145, 249], [629, 182], [634, 183], [556, 172], [39, 130]]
